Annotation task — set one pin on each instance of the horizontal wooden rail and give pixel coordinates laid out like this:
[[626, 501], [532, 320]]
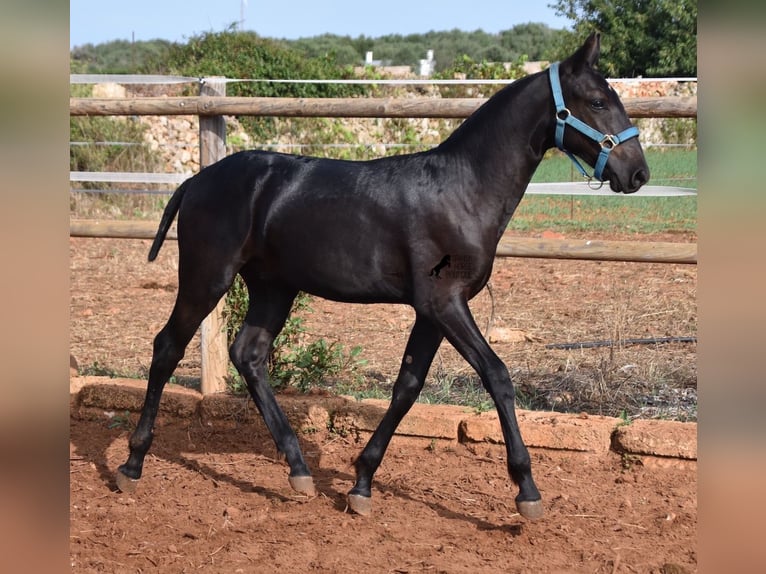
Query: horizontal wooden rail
[[660, 107], [599, 250], [587, 249], [128, 177], [117, 229]]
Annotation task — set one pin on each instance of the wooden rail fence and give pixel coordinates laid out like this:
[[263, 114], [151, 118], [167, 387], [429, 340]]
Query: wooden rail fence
[[212, 105], [660, 107], [543, 248]]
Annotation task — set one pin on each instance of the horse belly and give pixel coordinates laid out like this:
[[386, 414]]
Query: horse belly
[[344, 263]]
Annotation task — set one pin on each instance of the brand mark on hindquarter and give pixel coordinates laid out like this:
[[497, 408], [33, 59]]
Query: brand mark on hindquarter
[[436, 269]]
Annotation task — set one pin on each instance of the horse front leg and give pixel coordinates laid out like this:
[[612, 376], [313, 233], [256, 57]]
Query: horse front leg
[[460, 329], [421, 347]]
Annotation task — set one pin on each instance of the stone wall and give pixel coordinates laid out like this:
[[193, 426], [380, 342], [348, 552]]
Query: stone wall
[[176, 138], [652, 132], [99, 398]]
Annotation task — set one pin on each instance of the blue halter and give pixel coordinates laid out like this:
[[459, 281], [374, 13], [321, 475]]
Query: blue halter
[[563, 117]]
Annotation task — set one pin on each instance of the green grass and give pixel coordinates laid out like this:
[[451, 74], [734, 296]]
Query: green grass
[[618, 213], [441, 388], [676, 167], [137, 156]]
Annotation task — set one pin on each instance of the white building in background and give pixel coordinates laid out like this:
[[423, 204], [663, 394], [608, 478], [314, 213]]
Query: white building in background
[[368, 61], [428, 65]]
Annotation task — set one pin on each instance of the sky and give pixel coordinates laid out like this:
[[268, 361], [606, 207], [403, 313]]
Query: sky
[[98, 21]]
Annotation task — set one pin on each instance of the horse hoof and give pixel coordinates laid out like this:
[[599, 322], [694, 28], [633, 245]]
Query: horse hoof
[[125, 483], [360, 504], [530, 509], [303, 484]]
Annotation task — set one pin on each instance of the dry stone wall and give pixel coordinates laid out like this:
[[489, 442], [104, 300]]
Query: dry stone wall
[[652, 132], [99, 398]]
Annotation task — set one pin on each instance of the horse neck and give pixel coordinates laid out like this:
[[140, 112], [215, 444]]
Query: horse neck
[[502, 144]]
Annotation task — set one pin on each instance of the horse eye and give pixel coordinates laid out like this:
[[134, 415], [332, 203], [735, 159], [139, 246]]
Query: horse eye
[[597, 104]]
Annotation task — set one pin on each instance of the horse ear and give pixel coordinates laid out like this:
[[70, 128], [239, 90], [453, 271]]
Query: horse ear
[[589, 51]]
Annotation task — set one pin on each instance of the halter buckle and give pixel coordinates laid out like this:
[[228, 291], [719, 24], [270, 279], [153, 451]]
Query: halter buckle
[[608, 142]]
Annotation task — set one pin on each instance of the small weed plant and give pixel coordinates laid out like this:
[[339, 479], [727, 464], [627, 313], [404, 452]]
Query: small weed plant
[[121, 421], [294, 361]]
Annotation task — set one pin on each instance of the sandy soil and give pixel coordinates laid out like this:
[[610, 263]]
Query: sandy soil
[[215, 499]]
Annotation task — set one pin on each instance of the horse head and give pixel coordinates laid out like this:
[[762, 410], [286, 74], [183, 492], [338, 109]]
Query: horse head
[[591, 121]]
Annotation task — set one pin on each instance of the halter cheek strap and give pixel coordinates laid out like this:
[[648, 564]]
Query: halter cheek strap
[[564, 117]]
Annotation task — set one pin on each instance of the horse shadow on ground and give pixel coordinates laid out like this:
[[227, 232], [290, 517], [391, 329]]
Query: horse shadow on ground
[[92, 439]]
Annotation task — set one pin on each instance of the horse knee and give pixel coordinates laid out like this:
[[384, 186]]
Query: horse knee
[[239, 358], [497, 380], [408, 384], [167, 352]]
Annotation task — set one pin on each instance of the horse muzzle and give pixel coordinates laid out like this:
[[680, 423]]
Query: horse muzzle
[[629, 184]]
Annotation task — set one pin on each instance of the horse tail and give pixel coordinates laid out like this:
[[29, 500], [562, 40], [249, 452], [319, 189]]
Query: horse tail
[[171, 209]]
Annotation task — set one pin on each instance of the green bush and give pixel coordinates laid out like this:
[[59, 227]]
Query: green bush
[[115, 57], [293, 361], [483, 70], [95, 131], [470, 69]]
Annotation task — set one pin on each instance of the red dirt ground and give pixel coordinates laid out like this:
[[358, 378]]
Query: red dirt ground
[[215, 499]]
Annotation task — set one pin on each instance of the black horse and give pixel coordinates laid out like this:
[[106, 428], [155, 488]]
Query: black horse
[[381, 231]]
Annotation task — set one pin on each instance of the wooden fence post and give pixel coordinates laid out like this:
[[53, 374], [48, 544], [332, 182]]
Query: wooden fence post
[[214, 347]]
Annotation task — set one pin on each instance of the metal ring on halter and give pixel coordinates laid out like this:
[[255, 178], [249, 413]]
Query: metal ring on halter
[[563, 114], [608, 142], [591, 179]]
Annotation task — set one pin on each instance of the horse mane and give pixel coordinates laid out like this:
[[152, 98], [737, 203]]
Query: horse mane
[[485, 118]]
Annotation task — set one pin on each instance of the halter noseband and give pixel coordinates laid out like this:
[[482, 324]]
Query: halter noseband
[[563, 117]]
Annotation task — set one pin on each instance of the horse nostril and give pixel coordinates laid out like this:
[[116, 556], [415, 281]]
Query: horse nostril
[[640, 177]]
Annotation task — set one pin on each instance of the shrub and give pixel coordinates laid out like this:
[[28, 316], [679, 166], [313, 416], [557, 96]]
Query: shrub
[[293, 361], [102, 153], [470, 69], [245, 55]]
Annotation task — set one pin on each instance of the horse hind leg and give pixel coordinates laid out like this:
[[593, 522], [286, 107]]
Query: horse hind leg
[[196, 298], [268, 310], [418, 355]]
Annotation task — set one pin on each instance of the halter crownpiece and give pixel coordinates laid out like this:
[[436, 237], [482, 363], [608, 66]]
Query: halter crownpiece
[[563, 117]]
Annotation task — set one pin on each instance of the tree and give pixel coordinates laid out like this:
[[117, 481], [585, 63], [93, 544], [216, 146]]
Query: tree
[[236, 54], [531, 39], [339, 49], [642, 37], [116, 57], [246, 55]]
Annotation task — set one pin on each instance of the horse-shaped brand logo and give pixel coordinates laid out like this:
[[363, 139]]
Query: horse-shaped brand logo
[[445, 262]]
